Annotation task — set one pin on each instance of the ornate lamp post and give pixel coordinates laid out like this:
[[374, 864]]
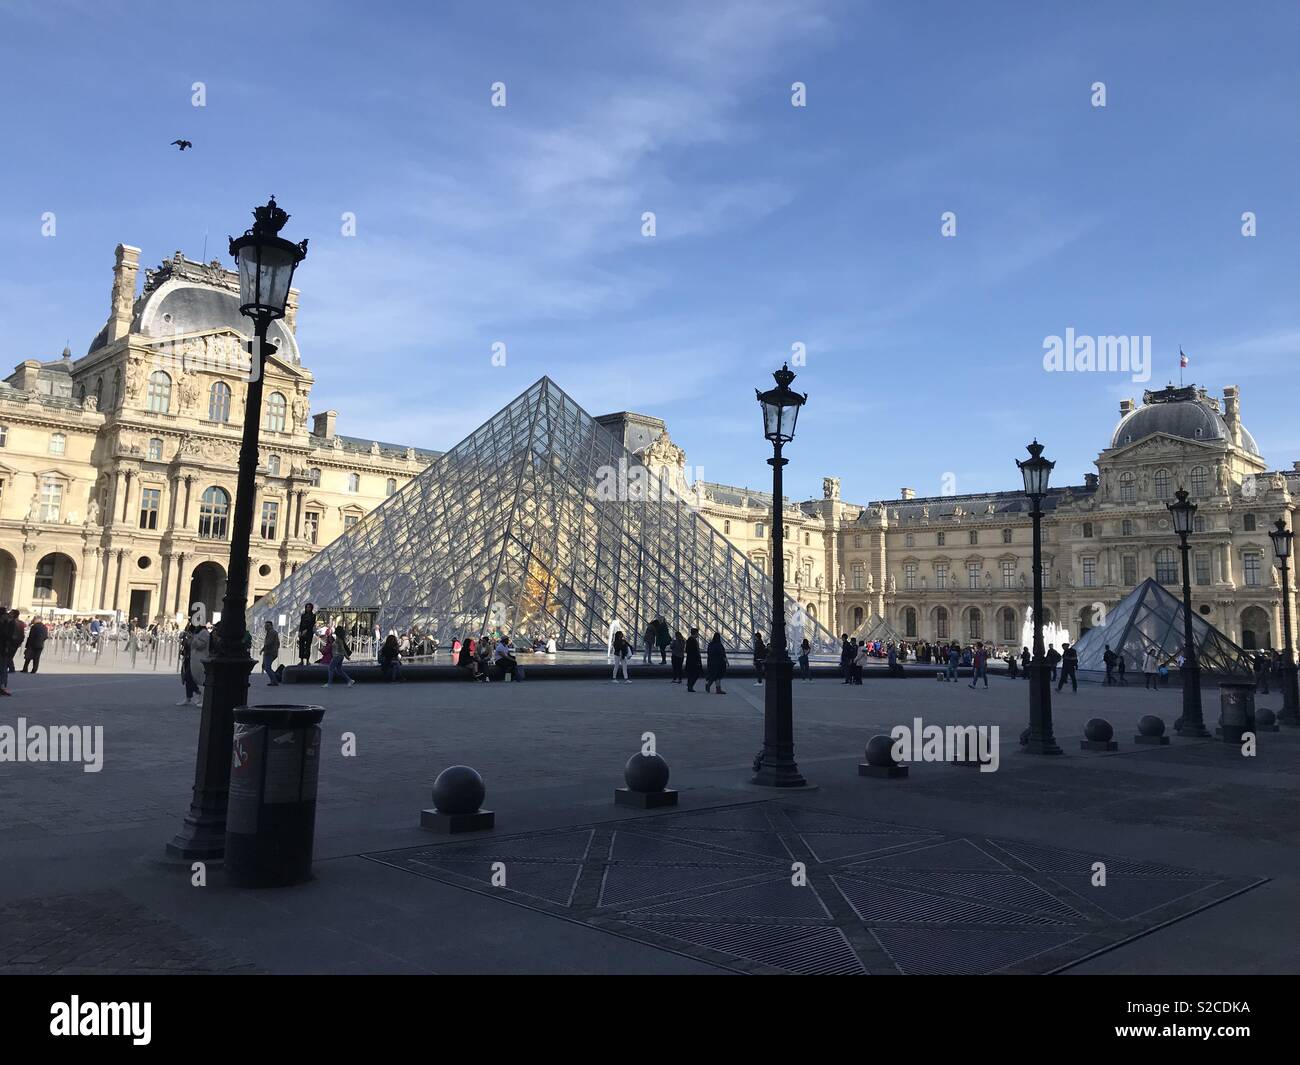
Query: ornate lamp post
[[775, 765], [266, 265], [1191, 723], [1036, 471], [1283, 538]]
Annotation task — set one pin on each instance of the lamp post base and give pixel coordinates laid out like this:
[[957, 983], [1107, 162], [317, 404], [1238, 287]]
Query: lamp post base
[[1194, 730], [1290, 714], [775, 766]]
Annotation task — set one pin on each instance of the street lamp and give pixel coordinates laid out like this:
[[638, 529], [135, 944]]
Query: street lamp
[[775, 766], [1037, 471], [1191, 723], [266, 264], [1282, 538]]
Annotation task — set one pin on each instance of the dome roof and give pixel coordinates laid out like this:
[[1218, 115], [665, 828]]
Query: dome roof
[[1188, 413], [179, 307]]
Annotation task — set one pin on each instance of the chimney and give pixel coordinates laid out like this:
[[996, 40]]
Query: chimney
[[25, 376], [1090, 480], [125, 269], [1232, 414], [907, 493], [322, 424], [1125, 407]]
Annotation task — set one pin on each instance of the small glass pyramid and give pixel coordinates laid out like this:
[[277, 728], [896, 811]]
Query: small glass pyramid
[[511, 531], [1150, 616]]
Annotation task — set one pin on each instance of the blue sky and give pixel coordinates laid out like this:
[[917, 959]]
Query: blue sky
[[776, 225]]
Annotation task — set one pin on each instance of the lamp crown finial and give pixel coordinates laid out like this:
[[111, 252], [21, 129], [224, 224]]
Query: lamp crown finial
[[269, 219], [783, 376]]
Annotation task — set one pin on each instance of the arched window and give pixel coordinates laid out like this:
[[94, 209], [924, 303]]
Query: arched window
[[155, 450], [117, 388], [313, 475], [219, 402], [1008, 625], [1127, 488], [160, 392], [909, 622], [273, 465], [275, 408], [1166, 571], [81, 393], [857, 616], [1162, 484], [354, 482], [214, 511], [390, 486], [941, 623], [1200, 481], [976, 623], [99, 393]]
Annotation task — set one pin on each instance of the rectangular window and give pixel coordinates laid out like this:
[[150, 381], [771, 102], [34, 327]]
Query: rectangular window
[[150, 500], [974, 536], [940, 538], [1047, 574], [1250, 562], [909, 576], [349, 520], [972, 575], [51, 502], [311, 526], [58, 443], [1008, 574], [1090, 573], [270, 518], [758, 530], [941, 576], [1129, 569], [910, 540], [858, 577], [1202, 567], [4, 435]]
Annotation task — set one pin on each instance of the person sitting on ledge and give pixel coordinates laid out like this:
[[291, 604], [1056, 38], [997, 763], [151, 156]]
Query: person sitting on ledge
[[390, 658], [503, 658], [468, 659]]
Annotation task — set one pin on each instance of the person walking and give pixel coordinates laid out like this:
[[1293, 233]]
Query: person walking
[[760, 658], [804, 670], [846, 658], [1053, 657], [1012, 667], [717, 664], [1108, 657], [678, 650], [186, 650], [979, 665], [1150, 665], [340, 652], [1119, 669], [270, 652], [860, 658], [1025, 659], [36, 637], [622, 652], [306, 633], [694, 664], [1069, 668], [665, 640]]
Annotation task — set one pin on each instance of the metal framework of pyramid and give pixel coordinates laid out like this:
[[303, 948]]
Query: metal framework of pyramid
[[876, 628], [509, 531], [1150, 616]]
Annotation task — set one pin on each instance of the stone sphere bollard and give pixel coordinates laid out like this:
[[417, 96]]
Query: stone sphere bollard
[[880, 760], [1151, 731], [1099, 733], [646, 776], [1024, 738], [1265, 720], [1098, 728], [458, 790], [646, 772]]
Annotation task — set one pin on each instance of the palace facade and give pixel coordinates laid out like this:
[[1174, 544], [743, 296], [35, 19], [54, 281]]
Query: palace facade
[[118, 469], [960, 566]]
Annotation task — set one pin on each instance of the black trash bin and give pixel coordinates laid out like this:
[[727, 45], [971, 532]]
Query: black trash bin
[[1236, 709], [271, 813]]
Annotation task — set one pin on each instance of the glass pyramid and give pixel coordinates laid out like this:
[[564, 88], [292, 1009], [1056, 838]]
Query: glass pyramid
[[1150, 616], [876, 628], [517, 529]]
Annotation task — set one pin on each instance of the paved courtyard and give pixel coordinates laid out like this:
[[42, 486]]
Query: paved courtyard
[[951, 869]]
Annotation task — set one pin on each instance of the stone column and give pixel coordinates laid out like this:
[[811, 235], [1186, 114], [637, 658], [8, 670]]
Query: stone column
[[189, 485], [24, 577], [174, 488], [1227, 563], [164, 583], [126, 499], [117, 580], [180, 584]]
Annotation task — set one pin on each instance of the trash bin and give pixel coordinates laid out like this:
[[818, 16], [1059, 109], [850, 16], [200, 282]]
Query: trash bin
[[1236, 709], [271, 812]]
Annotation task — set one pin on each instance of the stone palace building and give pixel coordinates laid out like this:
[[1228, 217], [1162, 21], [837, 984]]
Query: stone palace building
[[959, 566], [118, 469]]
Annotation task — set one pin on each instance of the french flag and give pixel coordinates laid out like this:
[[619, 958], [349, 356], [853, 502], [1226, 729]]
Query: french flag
[[1182, 360]]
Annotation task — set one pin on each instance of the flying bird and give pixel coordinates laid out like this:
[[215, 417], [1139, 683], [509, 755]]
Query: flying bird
[[182, 145]]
